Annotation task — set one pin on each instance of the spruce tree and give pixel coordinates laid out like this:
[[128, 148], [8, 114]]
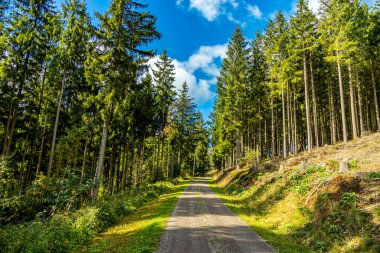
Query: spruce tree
[[27, 42], [165, 94], [72, 56], [234, 78], [304, 24], [113, 62]]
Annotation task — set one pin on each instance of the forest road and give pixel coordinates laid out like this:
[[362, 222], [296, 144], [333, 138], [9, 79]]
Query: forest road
[[202, 223]]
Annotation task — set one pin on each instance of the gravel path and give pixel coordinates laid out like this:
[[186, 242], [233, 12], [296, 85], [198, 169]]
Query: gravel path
[[202, 223]]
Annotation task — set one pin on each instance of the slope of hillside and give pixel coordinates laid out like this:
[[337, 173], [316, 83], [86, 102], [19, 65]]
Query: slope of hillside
[[318, 208]]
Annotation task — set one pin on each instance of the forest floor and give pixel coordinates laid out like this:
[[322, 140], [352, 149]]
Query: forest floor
[[141, 230], [315, 209]]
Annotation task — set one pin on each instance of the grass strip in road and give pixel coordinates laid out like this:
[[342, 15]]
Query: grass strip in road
[[140, 231]]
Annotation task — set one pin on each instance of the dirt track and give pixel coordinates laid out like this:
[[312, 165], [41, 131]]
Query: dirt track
[[202, 223]]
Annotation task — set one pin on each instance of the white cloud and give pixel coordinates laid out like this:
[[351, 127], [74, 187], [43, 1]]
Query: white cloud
[[314, 6], [179, 2], [254, 11], [211, 9], [231, 18], [203, 60]]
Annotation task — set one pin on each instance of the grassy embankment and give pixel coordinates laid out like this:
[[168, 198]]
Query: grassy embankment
[[318, 209], [140, 231], [141, 215]]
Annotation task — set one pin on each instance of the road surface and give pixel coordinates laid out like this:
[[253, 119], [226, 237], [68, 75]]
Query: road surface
[[202, 223]]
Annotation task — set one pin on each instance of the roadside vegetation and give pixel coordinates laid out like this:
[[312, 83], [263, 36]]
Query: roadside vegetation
[[315, 209], [67, 230], [141, 231]]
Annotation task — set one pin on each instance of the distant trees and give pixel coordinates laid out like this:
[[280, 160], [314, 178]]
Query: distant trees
[[298, 70], [77, 101]]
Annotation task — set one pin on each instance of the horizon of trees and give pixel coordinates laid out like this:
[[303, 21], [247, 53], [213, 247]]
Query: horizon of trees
[[303, 83], [77, 101]]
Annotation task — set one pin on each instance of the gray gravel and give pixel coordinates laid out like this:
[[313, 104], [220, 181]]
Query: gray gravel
[[202, 223]]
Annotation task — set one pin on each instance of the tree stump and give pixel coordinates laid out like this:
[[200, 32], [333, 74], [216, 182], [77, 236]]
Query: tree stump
[[255, 165], [304, 166], [344, 166]]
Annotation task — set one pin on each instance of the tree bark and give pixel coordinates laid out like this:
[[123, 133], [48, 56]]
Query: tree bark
[[375, 95], [194, 161], [84, 160], [272, 128], [342, 106], [315, 114], [332, 115], [100, 164], [283, 124], [352, 103], [56, 128], [295, 124], [307, 105], [360, 98]]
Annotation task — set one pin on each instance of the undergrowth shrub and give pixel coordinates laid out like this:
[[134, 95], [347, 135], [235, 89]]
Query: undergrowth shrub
[[354, 164], [374, 175], [44, 197], [248, 157], [67, 230], [301, 183], [337, 219]]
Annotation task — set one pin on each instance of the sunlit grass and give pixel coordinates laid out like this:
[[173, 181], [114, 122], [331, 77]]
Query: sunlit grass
[[278, 221], [140, 231]]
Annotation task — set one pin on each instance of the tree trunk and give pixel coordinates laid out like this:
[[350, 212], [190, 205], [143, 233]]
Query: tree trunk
[[332, 115], [238, 148], [342, 106], [194, 161], [41, 148], [283, 124], [295, 124], [315, 114], [289, 135], [375, 95], [56, 128], [84, 160], [6, 130], [307, 105], [272, 128], [100, 164], [360, 98], [125, 167], [352, 103]]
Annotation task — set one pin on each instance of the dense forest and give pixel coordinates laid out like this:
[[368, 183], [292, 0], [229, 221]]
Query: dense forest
[[90, 130], [305, 82], [81, 112]]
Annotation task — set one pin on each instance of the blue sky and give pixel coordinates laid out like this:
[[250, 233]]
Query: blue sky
[[195, 34]]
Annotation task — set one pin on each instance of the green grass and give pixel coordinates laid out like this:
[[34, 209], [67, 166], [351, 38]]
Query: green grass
[[272, 215], [282, 210], [141, 230]]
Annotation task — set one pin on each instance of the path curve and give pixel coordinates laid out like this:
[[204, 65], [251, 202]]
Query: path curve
[[202, 223]]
